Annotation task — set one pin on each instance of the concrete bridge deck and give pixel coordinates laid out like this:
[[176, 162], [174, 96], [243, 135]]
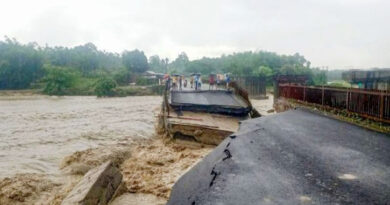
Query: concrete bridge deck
[[211, 101]]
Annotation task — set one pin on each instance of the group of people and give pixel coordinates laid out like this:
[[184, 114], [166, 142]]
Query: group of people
[[215, 81], [196, 81], [178, 81]]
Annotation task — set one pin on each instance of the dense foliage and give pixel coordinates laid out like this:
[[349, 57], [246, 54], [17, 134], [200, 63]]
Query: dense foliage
[[260, 63], [158, 65], [20, 65], [58, 79], [135, 61], [86, 58], [123, 77], [105, 87], [79, 68]]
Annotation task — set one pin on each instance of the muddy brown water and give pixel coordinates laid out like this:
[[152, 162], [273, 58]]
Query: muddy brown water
[[37, 132]]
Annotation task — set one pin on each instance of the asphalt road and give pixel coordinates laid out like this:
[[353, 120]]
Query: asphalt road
[[208, 97], [295, 157]]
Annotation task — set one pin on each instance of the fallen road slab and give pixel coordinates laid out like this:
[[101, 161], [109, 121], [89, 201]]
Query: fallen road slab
[[295, 157], [97, 186], [211, 101]]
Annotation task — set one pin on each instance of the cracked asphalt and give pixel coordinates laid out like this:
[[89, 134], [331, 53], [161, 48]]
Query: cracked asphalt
[[295, 157]]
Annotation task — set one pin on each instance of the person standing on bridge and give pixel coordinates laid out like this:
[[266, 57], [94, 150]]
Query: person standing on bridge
[[196, 81], [192, 81], [199, 82], [211, 81], [180, 82], [218, 81], [174, 81], [227, 79]]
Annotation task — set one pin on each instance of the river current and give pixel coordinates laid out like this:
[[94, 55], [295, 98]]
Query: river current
[[37, 132]]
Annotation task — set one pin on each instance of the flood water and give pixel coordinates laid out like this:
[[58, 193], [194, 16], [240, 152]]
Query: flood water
[[37, 132]]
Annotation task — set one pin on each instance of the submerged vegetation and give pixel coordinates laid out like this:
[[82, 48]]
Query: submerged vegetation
[[85, 70]]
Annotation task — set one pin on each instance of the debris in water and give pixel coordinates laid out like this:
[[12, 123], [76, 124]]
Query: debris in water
[[23, 188], [82, 161], [304, 199], [347, 177], [155, 165]]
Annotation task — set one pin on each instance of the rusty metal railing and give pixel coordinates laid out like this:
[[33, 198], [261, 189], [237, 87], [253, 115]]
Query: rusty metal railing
[[255, 86], [373, 104]]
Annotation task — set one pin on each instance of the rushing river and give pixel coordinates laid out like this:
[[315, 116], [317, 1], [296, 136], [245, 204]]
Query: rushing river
[[36, 132]]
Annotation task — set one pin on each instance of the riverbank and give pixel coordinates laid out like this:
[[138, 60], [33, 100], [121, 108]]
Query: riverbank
[[120, 91]]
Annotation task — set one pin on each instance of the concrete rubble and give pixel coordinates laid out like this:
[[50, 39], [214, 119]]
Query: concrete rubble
[[97, 187]]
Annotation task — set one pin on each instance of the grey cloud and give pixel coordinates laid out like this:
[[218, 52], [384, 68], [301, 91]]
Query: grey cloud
[[334, 33]]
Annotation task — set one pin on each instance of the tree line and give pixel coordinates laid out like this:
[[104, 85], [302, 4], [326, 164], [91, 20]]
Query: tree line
[[59, 68]]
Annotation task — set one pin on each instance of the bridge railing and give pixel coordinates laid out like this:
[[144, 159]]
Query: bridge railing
[[373, 104], [255, 86]]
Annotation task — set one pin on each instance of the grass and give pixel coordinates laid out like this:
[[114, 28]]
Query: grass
[[339, 83]]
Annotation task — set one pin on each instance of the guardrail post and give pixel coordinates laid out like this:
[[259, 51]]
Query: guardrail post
[[323, 94], [276, 91], [381, 106], [347, 100]]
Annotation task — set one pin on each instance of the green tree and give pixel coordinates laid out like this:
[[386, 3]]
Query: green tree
[[165, 63], [20, 65], [86, 58], [58, 79], [180, 63], [135, 61], [105, 87], [263, 71], [123, 77], [319, 77], [248, 63], [156, 64], [200, 66]]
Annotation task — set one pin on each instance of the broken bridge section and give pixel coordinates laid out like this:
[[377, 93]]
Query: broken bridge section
[[295, 157], [211, 101]]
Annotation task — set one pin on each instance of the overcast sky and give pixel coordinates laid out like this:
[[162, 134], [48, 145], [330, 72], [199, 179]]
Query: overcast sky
[[334, 33]]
